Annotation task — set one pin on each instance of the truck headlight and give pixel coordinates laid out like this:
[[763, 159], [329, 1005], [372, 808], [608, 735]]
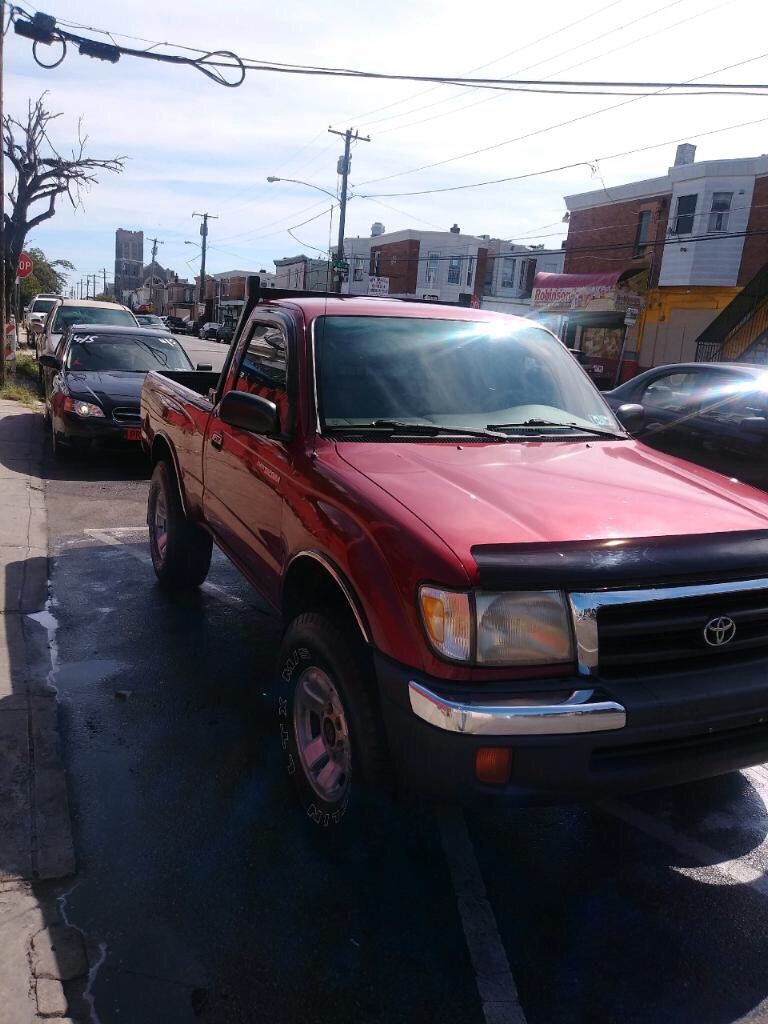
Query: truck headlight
[[530, 627]]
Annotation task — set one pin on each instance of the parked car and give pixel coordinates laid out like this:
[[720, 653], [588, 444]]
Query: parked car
[[92, 383], [225, 333], [715, 414], [178, 325], [151, 321], [208, 331], [491, 590], [66, 312], [36, 312]]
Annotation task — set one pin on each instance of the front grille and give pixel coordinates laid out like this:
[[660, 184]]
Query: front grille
[[665, 636], [127, 415]]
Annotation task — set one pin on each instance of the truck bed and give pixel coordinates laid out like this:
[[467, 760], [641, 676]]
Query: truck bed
[[199, 381]]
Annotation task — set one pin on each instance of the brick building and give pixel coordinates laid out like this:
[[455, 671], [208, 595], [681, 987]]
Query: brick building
[[694, 237], [445, 266]]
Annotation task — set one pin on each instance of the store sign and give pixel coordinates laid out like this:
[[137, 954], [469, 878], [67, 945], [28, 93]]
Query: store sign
[[577, 297], [378, 286], [630, 317]]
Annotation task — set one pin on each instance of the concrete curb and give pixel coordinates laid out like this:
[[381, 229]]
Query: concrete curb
[[35, 830]]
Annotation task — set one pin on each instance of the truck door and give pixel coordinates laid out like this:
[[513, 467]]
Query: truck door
[[245, 474]]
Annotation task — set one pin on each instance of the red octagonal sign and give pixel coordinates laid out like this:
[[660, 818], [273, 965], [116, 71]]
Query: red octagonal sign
[[25, 266]]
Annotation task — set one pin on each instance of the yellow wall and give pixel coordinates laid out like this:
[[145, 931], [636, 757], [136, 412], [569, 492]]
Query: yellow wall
[[673, 318], [739, 340]]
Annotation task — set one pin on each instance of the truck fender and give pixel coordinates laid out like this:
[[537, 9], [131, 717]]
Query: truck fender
[[335, 576], [163, 450]]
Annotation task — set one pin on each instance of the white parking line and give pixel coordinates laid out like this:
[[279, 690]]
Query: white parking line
[[737, 871], [493, 977]]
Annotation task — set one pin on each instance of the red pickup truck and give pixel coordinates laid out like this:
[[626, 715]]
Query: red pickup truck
[[490, 590]]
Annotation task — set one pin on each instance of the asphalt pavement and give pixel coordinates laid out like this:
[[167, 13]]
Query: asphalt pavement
[[208, 900]]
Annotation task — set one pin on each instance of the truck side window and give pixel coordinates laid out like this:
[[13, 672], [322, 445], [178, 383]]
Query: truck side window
[[264, 369]]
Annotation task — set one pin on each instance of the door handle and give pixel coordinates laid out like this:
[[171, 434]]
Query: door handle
[[217, 441]]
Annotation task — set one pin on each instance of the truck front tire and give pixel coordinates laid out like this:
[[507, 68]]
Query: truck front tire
[[327, 720], [181, 551]]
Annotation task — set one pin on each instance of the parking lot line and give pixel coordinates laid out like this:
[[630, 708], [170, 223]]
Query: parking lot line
[[493, 976], [738, 871]]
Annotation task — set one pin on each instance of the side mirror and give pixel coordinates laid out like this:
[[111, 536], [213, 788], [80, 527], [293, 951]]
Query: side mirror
[[204, 366], [631, 417], [249, 412], [756, 426], [51, 362]]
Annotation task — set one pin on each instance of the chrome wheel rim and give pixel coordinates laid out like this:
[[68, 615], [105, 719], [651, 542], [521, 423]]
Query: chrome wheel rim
[[160, 525], [322, 735]]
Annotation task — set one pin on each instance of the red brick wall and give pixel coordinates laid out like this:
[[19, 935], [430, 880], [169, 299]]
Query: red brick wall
[[602, 238], [755, 253], [400, 263]]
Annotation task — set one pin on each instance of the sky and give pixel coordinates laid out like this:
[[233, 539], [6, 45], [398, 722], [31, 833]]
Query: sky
[[192, 145]]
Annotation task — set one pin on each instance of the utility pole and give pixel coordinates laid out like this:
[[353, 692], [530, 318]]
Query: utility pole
[[104, 272], [155, 242], [350, 135], [2, 202], [204, 235]]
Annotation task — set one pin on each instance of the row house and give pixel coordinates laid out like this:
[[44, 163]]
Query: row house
[[444, 266], [678, 248]]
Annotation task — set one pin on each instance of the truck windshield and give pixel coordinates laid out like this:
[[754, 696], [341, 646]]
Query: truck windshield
[[452, 373], [67, 315], [111, 352]]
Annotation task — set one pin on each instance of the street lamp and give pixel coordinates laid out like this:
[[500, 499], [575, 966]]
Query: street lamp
[[342, 202], [295, 181]]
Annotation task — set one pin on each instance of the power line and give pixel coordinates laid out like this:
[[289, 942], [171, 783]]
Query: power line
[[497, 96], [480, 67], [567, 167], [543, 131], [43, 29]]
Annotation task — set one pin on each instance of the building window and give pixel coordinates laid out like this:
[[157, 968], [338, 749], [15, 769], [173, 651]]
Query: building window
[[433, 262], [470, 271], [686, 209], [454, 270], [358, 273], [721, 205], [641, 235], [376, 263], [508, 272]]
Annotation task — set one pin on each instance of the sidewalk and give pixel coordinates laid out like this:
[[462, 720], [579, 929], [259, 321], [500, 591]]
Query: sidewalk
[[36, 953]]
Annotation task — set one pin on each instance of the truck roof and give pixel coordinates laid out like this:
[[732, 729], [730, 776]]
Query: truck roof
[[364, 305]]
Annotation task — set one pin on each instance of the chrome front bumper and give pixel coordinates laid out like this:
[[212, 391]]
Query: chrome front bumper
[[578, 714]]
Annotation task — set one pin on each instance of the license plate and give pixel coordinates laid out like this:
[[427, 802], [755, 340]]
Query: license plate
[[132, 434]]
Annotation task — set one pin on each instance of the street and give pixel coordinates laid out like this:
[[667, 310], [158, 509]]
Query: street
[[207, 899]]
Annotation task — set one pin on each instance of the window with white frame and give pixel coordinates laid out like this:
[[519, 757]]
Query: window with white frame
[[454, 270], [721, 206], [359, 264], [470, 271], [685, 213], [508, 267], [433, 262]]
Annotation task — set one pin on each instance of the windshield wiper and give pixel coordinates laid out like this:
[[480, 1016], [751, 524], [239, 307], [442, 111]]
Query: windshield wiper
[[556, 423], [404, 427]]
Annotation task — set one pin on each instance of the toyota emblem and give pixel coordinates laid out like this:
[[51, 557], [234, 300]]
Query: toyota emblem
[[719, 631]]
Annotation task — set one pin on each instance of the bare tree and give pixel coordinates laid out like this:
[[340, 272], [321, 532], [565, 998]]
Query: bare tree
[[41, 176]]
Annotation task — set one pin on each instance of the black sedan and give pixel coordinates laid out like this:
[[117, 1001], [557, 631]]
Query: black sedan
[[93, 383], [715, 414]]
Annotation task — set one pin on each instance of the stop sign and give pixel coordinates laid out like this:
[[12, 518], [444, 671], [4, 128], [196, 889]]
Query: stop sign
[[25, 266]]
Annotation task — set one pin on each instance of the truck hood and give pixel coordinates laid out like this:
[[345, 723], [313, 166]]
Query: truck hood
[[547, 492]]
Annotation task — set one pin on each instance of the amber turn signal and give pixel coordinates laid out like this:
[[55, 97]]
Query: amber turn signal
[[493, 765]]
